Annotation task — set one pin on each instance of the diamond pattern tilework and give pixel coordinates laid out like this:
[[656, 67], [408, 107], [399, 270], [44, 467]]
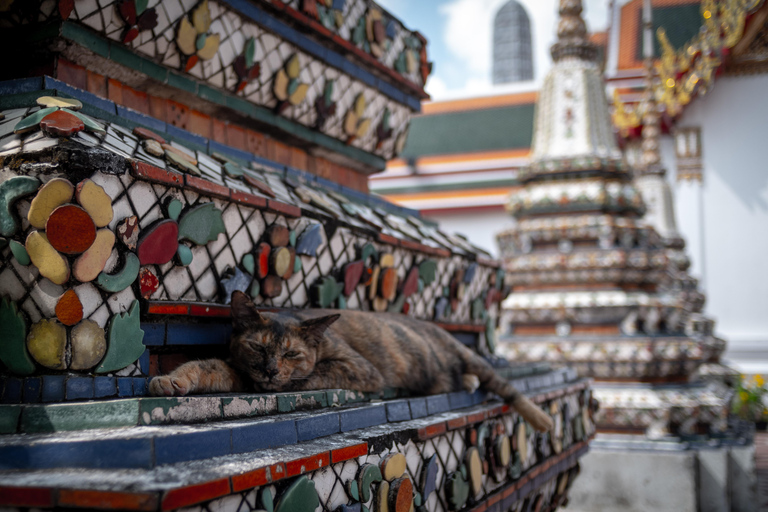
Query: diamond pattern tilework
[[271, 52]]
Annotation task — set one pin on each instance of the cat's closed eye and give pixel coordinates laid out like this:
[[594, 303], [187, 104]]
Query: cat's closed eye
[[292, 354]]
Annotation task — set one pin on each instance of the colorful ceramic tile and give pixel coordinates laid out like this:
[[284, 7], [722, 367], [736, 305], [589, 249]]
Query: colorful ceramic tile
[[280, 261], [95, 201], [11, 190], [13, 332], [234, 280], [53, 101], [503, 451], [88, 345], [148, 282], [327, 291], [387, 260], [89, 265], [388, 283], [70, 229], [128, 231], [158, 244], [181, 162], [411, 283], [301, 495], [184, 255], [310, 240], [33, 120], [353, 272], [47, 343], [382, 502], [69, 309], [393, 466], [153, 147], [278, 235], [367, 475], [401, 495], [53, 194], [124, 337], [123, 278], [353, 490], [19, 253], [261, 255], [61, 123], [428, 271], [457, 489], [174, 208], [271, 287], [254, 181], [249, 263], [146, 133], [201, 224], [475, 467], [48, 261], [428, 480]]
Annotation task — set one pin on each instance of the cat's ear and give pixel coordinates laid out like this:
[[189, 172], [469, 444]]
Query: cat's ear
[[315, 327], [244, 310]]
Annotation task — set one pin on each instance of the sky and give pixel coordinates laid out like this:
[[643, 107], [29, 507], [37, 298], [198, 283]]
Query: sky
[[460, 34]]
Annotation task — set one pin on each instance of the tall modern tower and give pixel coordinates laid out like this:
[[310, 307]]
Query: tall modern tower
[[512, 55]]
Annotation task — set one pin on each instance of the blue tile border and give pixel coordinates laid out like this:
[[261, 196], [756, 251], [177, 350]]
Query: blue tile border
[[53, 388], [398, 410], [318, 425], [183, 447], [198, 334], [263, 434], [79, 94], [362, 417]]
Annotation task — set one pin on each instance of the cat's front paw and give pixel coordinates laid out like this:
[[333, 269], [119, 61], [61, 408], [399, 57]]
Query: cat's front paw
[[169, 386]]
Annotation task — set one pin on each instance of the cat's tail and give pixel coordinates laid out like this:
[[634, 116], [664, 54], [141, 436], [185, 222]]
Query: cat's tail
[[492, 382]]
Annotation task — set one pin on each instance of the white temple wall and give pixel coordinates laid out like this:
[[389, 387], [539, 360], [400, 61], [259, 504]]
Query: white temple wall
[[725, 218], [480, 228]]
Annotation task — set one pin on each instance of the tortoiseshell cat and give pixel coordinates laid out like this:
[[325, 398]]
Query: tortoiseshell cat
[[319, 349]]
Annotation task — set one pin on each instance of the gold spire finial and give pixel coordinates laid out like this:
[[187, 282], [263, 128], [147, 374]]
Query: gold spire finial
[[572, 37]]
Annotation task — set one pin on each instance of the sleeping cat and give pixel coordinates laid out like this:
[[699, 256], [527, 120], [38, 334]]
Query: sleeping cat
[[319, 349]]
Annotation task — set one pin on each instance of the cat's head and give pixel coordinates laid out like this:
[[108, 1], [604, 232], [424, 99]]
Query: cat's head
[[273, 349]]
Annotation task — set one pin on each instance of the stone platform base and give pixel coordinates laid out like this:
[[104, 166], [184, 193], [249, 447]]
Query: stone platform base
[[624, 473]]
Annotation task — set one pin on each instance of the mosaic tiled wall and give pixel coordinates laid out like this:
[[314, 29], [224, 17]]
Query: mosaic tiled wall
[[175, 226], [228, 46]]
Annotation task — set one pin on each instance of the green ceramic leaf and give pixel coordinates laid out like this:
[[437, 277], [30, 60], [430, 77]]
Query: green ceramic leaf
[[13, 333], [328, 92], [202, 224], [301, 496], [184, 255], [353, 490], [123, 278], [327, 291], [293, 85], [89, 123], [366, 476], [233, 170], [250, 52], [10, 191], [124, 337], [427, 271], [20, 253], [33, 120], [174, 209], [200, 41], [141, 6], [249, 263], [267, 502]]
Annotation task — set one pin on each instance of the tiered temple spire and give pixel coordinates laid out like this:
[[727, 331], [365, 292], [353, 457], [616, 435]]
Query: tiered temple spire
[[595, 283]]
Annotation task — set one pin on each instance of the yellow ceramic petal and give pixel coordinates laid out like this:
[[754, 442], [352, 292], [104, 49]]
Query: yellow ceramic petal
[[280, 86], [46, 342], [293, 66], [89, 344], [50, 101], [350, 123], [360, 105], [393, 466], [299, 94], [50, 196], [410, 62], [363, 127], [387, 260], [201, 18], [89, 265], [48, 261], [96, 202], [210, 48], [186, 37]]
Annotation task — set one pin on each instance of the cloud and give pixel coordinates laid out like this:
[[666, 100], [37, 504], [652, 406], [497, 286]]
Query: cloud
[[467, 34]]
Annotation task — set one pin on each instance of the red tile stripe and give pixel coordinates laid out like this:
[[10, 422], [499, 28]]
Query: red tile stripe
[[26, 496], [350, 452], [300, 466], [107, 500], [217, 310], [143, 170], [185, 496], [167, 308], [258, 477], [288, 210], [248, 199], [206, 187]]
